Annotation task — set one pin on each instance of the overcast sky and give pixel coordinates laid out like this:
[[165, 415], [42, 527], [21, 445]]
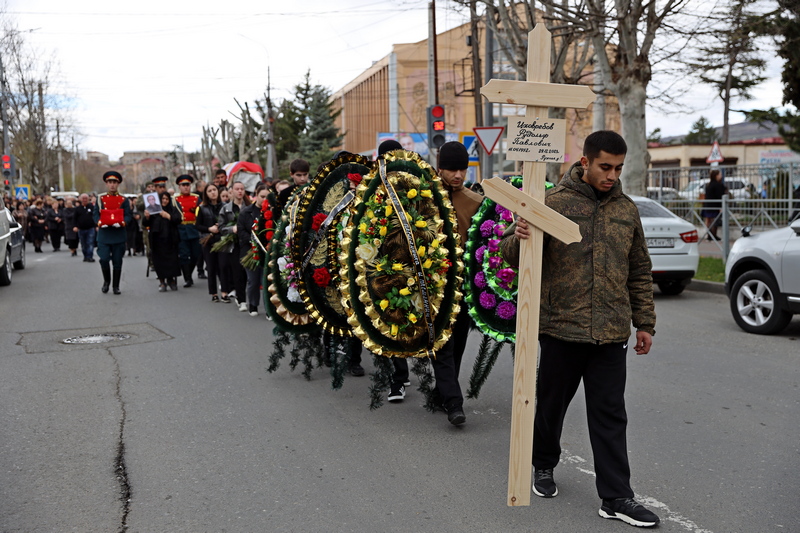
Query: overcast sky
[[147, 75]]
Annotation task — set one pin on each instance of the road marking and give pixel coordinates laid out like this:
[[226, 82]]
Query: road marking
[[647, 501]]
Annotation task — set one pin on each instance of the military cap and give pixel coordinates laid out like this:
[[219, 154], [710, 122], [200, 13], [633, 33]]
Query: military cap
[[112, 174], [184, 178]]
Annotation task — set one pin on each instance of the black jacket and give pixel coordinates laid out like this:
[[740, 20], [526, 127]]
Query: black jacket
[[84, 216], [245, 225], [52, 223]]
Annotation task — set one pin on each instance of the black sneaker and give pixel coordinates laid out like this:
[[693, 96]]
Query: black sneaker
[[225, 300], [397, 393], [629, 511], [544, 485]]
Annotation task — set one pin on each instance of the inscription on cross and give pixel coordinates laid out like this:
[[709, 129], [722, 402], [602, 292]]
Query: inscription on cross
[[537, 94]]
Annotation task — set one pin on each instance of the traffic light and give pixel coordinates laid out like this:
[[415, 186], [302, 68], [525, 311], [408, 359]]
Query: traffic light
[[436, 127], [7, 185], [7, 166]]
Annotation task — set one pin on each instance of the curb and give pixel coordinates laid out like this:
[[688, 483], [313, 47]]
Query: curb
[[699, 285]]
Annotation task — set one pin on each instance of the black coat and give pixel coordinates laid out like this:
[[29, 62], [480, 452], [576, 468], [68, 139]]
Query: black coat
[[206, 217], [164, 241]]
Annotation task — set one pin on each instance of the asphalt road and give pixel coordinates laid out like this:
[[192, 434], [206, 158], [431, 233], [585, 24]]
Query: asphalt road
[[180, 427]]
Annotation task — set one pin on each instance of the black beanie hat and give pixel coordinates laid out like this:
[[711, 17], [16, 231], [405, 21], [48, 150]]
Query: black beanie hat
[[453, 156], [388, 146]]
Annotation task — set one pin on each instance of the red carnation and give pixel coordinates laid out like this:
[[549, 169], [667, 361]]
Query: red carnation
[[317, 221], [269, 236], [355, 178], [322, 277]]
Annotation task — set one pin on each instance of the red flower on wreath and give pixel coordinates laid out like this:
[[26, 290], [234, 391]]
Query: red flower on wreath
[[269, 236], [317, 221], [355, 178], [322, 277]]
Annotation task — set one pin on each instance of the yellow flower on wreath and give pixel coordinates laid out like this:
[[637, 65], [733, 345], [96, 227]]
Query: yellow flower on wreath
[[394, 330], [421, 224], [427, 193], [412, 318], [412, 193], [397, 266], [388, 210], [382, 231], [427, 264], [384, 304], [405, 292]]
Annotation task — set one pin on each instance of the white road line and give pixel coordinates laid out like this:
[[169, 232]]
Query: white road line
[[647, 501]]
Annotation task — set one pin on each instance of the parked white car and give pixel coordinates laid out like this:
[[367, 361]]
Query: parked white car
[[762, 279], [738, 189], [12, 246], [672, 243]]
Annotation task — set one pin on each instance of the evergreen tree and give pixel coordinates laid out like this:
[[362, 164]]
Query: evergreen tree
[[783, 24], [288, 125], [319, 135], [701, 132], [732, 64]]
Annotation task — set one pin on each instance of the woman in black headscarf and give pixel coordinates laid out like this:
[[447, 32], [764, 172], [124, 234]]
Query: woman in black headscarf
[[164, 242]]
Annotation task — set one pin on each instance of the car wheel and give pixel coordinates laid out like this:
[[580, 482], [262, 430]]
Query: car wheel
[[5, 270], [19, 264], [754, 304], [671, 287]]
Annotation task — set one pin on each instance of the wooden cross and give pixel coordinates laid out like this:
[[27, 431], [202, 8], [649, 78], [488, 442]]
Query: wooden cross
[[537, 94]]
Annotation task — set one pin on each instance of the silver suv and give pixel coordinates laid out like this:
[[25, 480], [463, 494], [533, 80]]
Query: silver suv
[[762, 279]]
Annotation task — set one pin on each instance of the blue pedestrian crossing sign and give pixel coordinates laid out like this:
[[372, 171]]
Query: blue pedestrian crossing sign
[[470, 141], [22, 192]]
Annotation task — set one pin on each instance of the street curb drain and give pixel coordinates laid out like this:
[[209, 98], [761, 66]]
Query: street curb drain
[[98, 338]]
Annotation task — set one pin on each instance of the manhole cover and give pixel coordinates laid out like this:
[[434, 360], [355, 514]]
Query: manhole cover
[[98, 338]]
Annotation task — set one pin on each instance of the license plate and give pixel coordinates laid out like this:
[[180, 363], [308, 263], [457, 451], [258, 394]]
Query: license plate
[[661, 243]]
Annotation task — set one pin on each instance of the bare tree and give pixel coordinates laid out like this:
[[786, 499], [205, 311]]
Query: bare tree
[[571, 50], [623, 36], [34, 107]]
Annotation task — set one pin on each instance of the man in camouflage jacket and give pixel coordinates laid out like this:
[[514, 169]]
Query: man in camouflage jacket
[[591, 293]]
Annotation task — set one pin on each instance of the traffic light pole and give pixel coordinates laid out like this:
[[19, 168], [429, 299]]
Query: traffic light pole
[[4, 116]]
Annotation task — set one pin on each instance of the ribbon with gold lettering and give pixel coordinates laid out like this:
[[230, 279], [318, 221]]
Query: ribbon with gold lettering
[[412, 247]]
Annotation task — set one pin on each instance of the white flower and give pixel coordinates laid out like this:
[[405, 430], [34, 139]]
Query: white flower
[[416, 301], [293, 295], [367, 252], [282, 263]]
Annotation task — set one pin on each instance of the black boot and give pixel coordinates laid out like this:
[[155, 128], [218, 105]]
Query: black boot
[[117, 275], [187, 275], [106, 277]]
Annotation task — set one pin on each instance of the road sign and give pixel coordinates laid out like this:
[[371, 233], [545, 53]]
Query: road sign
[[716, 155], [470, 141], [22, 192], [488, 137]]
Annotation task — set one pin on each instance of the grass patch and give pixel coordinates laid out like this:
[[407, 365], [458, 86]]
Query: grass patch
[[710, 269]]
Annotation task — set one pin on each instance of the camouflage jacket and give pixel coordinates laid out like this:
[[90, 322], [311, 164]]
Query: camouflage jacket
[[594, 289]]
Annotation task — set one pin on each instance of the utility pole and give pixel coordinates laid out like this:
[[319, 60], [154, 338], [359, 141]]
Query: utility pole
[[487, 170], [58, 149], [272, 163], [433, 74], [433, 67], [42, 149], [74, 155], [483, 158], [4, 113]]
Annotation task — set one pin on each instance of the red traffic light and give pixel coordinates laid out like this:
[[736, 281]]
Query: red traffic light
[[6, 162], [437, 111], [437, 125]]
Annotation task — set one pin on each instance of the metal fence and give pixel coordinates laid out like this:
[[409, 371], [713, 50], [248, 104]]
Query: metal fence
[[762, 197]]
